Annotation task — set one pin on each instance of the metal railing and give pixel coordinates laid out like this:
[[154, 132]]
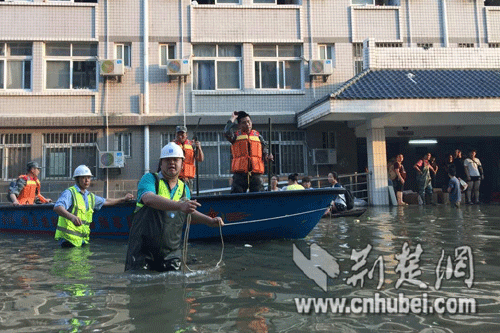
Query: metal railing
[[357, 183]]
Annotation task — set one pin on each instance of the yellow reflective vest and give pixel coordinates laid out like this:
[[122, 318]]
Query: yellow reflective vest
[[66, 229], [294, 187]]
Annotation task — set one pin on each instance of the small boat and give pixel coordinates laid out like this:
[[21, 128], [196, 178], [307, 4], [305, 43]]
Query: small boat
[[249, 216], [355, 212]]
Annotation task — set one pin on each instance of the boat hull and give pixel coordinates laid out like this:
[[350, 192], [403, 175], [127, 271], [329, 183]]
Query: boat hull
[[252, 216]]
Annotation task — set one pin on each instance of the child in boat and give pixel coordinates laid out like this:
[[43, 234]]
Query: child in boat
[[306, 182], [75, 207]]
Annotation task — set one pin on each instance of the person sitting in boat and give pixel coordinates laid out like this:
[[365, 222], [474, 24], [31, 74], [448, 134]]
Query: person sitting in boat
[[192, 151], [274, 184], [163, 207], [26, 190], [249, 152], [75, 207], [306, 182], [339, 203], [293, 183]]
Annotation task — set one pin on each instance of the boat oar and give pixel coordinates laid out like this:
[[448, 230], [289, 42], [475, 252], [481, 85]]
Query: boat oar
[[268, 160], [195, 138]]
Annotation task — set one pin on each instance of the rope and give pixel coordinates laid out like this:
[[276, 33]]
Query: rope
[[185, 246], [275, 218]]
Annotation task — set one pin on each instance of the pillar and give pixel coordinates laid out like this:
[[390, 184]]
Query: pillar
[[377, 164]]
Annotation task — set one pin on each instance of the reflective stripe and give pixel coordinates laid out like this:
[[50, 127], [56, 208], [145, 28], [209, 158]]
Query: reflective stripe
[[71, 232]]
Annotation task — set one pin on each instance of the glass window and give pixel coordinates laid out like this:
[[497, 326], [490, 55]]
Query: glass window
[[123, 52], [15, 150], [278, 72], [15, 65], [167, 52], [216, 67], [122, 142], [71, 66], [63, 152]]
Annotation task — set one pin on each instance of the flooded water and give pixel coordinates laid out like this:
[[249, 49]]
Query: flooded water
[[48, 289]]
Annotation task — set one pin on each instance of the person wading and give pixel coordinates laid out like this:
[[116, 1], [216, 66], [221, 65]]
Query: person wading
[[75, 208], [163, 206]]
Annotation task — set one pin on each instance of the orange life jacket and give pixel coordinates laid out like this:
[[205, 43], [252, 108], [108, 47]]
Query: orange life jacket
[[30, 191], [247, 153], [188, 170]]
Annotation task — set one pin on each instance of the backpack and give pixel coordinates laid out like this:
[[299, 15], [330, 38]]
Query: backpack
[[10, 191]]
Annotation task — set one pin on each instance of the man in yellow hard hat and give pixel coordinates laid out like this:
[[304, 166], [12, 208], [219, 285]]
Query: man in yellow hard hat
[[163, 205]]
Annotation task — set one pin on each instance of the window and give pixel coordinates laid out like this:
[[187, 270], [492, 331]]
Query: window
[[278, 66], [389, 44], [327, 52], [290, 151], [15, 153], [494, 45], [122, 142], [63, 152], [123, 52], [216, 67], [492, 2], [167, 52], [15, 65], [357, 55], [465, 45], [329, 141], [71, 66], [213, 2], [92, 1], [278, 2]]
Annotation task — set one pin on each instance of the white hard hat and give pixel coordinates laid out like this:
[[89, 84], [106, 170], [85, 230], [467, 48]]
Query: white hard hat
[[172, 149], [82, 170]]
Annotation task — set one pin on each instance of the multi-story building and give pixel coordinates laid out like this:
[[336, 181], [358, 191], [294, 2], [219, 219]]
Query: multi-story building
[[358, 77]]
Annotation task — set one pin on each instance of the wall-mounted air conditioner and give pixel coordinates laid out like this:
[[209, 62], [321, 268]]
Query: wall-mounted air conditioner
[[111, 159], [324, 156], [111, 67], [178, 67], [321, 67]]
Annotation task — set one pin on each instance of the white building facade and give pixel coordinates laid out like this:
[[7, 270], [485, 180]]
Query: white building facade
[[283, 61]]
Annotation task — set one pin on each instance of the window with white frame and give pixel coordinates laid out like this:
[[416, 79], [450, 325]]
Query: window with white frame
[[123, 52], [329, 141], [63, 152], [15, 153], [71, 66], [167, 52], [278, 66], [357, 55], [15, 65], [278, 2], [216, 66], [327, 51], [122, 142]]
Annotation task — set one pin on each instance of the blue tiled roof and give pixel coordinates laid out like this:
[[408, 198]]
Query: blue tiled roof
[[408, 84]]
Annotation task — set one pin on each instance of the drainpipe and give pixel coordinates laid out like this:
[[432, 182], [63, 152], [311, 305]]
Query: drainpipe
[[408, 22], [145, 10], [445, 23]]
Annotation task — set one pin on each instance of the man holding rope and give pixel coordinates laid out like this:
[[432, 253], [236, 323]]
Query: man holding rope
[[249, 153], [163, 206]]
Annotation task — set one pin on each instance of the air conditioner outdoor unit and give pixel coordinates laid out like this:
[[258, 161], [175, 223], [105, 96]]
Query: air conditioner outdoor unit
[[321, 67], [178, 67], [111, 159], [324, 156], [111, 67]]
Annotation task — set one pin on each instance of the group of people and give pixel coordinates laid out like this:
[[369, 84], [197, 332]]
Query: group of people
[[163, 202], [458, 175]]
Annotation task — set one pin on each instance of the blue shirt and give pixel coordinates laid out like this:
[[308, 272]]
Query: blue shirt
[[455, 195], [66, 199], [148, 184]]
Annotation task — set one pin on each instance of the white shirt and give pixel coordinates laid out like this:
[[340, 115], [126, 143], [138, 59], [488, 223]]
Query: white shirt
[[472, 166]]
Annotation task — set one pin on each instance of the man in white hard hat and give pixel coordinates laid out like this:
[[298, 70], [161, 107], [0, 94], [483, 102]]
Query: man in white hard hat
[[75, 207], [163, 205]]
